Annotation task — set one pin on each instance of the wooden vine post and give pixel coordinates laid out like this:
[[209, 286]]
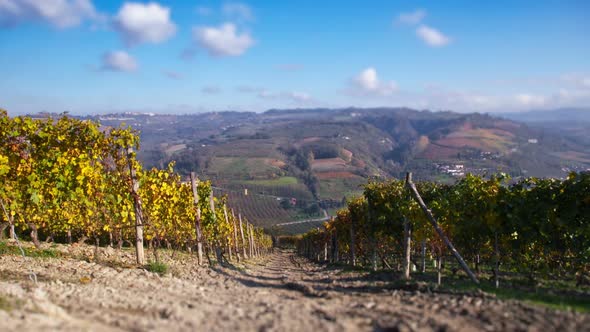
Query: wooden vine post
[[373, 237], [199, 233], [229, 249], [217, 245], [236, 247], [496, 261], [250, 239], [12, 231], [423, 256], [10, 220], [242, 235], [334, 239], [407, 249], [352, 242], [254, 244], [138, 211], [416, 195], [407, 261]]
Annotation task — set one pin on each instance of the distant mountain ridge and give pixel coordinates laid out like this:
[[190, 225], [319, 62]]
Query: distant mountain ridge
[[571, 115], [380, 141]]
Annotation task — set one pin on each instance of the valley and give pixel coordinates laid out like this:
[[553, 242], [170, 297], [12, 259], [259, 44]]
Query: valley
[[286, 165]]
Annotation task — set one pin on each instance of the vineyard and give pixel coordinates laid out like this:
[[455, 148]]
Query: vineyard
[[521, 231], [66, 178], [266, 210], [300, 227], [265, 166], [73, 182]]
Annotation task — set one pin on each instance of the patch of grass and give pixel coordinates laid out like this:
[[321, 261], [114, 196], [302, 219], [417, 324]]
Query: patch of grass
[[556, 294], [9, 304], [554, 298], [7, 249], [444, 178], [242, 168], [283, 180], [43, 253], [5, 304], [543, 297], [156, 267], [336, 188], [346, 268], [116, 264]]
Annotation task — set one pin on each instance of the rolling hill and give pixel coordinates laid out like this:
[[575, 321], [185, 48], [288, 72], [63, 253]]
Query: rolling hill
[[304, 161]]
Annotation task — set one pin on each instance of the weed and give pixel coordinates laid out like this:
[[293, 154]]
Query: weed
[[5, 304], [7, 249], [562, 299], [159, 268], [9, 304]]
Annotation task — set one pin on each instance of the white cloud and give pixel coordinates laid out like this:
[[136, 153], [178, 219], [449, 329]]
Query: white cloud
[[144, 23], [265, 94], [412, 18], [296, 97], [579, 81], [537, 93], [473, 101], [299, 96], [223, 40], [238, 11], [118, 61], [571, 96], [439, 97], [432, 36], [526, 99], [367, 81], [59, 13]]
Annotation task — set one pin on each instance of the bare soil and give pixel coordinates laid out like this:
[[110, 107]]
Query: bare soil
[[281, 292]]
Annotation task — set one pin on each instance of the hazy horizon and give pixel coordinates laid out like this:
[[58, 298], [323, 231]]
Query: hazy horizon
[[163, 112]]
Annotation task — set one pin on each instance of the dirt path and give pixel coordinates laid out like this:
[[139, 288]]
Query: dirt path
[[279, 293]]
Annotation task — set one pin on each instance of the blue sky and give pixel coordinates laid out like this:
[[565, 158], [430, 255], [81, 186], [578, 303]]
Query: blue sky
[[86, 56]]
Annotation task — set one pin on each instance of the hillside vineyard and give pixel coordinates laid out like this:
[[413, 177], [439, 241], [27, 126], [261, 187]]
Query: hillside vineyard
[[66, 178], [378, 264]]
